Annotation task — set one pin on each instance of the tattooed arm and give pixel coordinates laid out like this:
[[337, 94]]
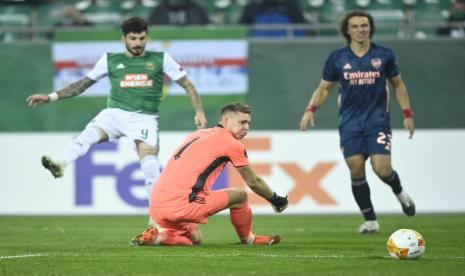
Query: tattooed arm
[[200, 119], [69, 91]]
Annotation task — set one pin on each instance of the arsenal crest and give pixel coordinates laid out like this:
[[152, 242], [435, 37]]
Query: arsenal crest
[[376, 62]]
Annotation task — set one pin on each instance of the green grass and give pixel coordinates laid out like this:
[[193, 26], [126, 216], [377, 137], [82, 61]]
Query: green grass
[[311, 245]]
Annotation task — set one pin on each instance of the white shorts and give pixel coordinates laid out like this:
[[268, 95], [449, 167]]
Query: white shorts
[[135, 126]]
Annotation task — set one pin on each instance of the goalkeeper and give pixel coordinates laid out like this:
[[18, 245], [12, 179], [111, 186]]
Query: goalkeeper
[[182, 196]]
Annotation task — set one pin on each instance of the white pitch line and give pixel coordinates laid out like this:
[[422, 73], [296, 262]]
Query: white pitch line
[[22, 256], [294, 256], [448, 257], [259, 255]]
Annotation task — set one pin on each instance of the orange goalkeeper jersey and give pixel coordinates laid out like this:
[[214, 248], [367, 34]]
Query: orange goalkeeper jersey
[[196, 164]]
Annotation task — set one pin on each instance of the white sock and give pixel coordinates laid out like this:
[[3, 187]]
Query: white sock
[[250, 238], [152, 223], [79, 146], [151, 168], [403, 198], [159, 239]]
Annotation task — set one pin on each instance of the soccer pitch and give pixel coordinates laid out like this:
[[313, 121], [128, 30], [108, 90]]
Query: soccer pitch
[[311, 245]]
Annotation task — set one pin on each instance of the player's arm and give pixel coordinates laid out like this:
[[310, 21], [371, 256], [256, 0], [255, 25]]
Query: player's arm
[[319, 96], [258, 186], [200, 119], [400, 91], [72, 90]]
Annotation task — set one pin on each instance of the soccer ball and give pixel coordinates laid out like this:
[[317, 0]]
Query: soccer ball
[[406, 244]]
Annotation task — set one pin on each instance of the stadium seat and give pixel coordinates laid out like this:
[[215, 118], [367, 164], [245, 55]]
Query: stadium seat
[[15, 16], [48, 14], [104, 13], [46, 17], [388, 15], [311, 9], [330, 13], [428, 15], [139, 8], [224, 11], [389, 22], [394, 18]]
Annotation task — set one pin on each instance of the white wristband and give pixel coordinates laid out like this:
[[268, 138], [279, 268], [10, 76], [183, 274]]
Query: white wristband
[[53, 96]]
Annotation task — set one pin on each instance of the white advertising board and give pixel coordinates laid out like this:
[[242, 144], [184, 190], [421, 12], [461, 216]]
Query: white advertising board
[[214, 66], [307, 166]]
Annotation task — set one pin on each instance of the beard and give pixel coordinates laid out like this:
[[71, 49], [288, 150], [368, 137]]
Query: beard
[[135, 51]]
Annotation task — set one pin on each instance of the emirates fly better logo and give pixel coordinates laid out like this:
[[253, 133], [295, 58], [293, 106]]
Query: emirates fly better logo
[[136, 80]]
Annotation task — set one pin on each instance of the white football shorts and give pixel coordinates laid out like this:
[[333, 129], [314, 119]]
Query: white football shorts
[[135, 126]]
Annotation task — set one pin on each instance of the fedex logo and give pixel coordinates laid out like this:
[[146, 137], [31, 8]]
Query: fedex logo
[[305, 183], [87, 171]]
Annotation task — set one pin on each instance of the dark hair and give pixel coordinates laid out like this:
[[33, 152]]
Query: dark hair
[[344, 24], [236, 107], [134, 25]]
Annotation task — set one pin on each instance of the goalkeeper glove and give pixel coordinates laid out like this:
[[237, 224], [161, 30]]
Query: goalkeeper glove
[[279, 203]]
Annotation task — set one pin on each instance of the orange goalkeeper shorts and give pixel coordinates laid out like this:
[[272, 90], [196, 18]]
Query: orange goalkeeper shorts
[[178, 218]]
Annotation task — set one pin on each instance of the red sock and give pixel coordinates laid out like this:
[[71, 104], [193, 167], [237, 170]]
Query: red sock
[[172, 238], [241, 218]]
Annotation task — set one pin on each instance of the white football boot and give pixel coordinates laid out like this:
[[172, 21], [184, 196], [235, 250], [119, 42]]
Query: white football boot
[[55, 167], [369, 227], [408, 206]]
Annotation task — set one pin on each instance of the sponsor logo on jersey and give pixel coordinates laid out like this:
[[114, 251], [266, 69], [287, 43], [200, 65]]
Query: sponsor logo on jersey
[[376, 62], [150, 65], [136, 80], [347, 66], [120, 66], [362, 77]]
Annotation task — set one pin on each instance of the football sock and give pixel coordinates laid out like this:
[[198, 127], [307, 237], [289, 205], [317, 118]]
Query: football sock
[[194, 233], [361, 192], [394, 182], [404, 198], [79, 146], [151, 168], [172, 238], [151, 222], [241, 219]]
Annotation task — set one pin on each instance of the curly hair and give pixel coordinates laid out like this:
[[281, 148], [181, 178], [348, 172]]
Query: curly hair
[[344, 24]]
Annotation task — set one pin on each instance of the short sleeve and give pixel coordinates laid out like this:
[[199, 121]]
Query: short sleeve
[[329, 71], [392, 69], [238, 155], [172, 69], [100, 69]]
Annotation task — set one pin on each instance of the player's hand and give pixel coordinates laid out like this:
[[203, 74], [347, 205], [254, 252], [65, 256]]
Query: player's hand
[[279, 203], [200, 120], [410, 126], [307, 118], [37, 99]]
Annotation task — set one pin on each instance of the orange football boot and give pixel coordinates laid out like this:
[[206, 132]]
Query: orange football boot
[[147, 237]]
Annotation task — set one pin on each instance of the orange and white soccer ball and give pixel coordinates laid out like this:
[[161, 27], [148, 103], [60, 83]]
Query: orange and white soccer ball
[[406, 244]]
